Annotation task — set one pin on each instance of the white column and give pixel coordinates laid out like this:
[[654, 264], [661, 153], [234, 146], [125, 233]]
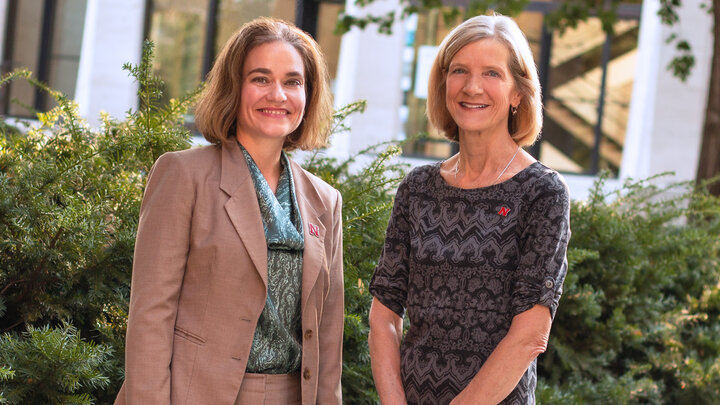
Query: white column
[[112, 36], [666, 115], [369, 68], [641, 115]]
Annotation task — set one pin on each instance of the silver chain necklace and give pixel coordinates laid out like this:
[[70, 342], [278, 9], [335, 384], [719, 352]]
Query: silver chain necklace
[[457, 167]]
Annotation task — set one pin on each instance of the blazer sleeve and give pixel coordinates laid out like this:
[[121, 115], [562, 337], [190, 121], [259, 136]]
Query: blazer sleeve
[[331, 322], [161, 251]]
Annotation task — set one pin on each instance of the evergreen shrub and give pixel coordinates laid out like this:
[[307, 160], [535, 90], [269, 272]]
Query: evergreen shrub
[[639, 321], [68, 215]]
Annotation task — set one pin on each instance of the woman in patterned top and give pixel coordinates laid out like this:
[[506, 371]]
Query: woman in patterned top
[[475, 247], [237, 283]]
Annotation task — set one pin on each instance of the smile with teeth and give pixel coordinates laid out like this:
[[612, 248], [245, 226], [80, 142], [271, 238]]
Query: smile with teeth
[[469, 105], [273, 111]]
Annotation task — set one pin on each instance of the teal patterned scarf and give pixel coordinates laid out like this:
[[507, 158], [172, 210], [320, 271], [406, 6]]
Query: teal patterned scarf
[[277, 344]]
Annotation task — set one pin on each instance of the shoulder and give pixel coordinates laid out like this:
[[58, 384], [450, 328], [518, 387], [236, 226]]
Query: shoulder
[[421, 176], [545, 194], [539, 180], [327, 193], [193, 159], [321, 185]]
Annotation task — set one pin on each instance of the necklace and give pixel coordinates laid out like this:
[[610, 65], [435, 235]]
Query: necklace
[[457, 167]]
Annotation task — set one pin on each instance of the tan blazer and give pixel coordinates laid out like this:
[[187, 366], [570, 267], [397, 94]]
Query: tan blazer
[[199, 282]]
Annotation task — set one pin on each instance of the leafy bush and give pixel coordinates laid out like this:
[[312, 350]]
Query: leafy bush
[[52, 366], [639, 321], [68, 217]]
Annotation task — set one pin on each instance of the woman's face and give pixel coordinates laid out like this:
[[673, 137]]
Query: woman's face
[[480, 87], [272, 99]]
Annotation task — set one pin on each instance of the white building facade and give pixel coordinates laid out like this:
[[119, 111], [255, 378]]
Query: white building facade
[[610, 103]]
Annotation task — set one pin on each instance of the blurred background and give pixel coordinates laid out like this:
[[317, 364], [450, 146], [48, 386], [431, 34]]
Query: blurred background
[[610, 103]]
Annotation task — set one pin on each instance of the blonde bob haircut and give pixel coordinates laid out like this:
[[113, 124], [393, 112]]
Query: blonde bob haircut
[[524, 126], [218, 107]]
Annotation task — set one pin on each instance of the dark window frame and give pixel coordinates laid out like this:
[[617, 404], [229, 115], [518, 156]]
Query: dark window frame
[[42, 71]]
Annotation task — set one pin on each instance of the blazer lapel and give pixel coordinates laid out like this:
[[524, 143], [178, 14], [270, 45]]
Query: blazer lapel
[[242, 207], [312, 210]]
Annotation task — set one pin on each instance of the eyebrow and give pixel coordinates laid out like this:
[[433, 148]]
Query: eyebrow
[[496, 67], [268, 71]]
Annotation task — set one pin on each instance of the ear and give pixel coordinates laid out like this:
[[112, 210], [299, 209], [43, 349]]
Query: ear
[[516, 98]]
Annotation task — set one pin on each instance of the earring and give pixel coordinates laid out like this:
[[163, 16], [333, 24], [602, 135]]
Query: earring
[[513, 110]]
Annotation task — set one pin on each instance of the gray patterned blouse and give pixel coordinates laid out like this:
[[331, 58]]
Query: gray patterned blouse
[[277, 344], [463, 263]]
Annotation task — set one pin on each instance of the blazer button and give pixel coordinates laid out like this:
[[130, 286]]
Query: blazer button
[[308, 334], [306, 374]]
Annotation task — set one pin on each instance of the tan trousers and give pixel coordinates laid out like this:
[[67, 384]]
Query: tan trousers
[[270, 389]]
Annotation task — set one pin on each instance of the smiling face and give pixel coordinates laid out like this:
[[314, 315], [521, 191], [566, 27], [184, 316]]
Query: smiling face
[[480, 88], [272, 99]]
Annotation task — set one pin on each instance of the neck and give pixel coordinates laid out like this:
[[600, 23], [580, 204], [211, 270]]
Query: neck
[[266, 155], [483, 156]]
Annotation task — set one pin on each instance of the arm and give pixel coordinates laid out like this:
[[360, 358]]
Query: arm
[[384, 341], [161, 250], [331, 323], [389, 289], [526, 339]]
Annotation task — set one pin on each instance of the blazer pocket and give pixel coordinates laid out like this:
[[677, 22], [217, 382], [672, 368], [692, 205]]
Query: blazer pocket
[[189, 336]]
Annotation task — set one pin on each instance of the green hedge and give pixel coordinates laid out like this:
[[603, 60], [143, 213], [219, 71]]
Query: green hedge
[[638, 322], [639, 318]]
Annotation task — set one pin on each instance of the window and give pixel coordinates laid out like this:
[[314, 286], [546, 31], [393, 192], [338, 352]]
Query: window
[[45, 37], [588, 96], [178, 31]]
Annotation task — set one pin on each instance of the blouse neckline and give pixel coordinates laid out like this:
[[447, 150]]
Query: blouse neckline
[[441, 180]]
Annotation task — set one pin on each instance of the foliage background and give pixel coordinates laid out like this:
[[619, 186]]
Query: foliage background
[[639, 322]]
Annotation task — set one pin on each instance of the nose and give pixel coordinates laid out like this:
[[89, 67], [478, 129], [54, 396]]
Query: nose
[[276, 92], [473, 85]]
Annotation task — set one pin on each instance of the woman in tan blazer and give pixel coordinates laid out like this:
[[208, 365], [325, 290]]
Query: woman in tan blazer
[[237, 285]]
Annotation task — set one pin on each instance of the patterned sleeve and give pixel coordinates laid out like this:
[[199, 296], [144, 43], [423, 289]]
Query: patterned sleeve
[[543, 261], [389, 282]]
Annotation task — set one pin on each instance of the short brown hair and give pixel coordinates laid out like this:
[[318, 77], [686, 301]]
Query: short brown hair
[[219, 103], [528, 120]]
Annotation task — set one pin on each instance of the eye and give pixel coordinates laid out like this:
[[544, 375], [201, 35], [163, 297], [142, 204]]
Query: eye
[[259, 79], [493, 73], [294, 83], [458, 71]]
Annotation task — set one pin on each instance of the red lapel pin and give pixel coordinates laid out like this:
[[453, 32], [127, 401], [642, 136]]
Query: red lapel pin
[[504, 211], [314, 230]]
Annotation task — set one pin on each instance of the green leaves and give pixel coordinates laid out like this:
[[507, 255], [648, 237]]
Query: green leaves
[[639, 320], [50, 366], [68, 217]]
